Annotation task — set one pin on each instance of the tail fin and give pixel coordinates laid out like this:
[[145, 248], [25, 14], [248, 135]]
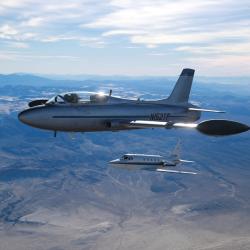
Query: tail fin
[[175, 155], [181, 91]]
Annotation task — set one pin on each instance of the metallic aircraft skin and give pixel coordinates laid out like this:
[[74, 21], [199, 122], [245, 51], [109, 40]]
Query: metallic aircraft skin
[[107, 113], [151, 162], [102, 117], [142, 162], [70, 112]]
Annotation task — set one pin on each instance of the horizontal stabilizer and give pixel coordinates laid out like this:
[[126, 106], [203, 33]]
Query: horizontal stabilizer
[[206, 110], [174, 171], [186, 161]]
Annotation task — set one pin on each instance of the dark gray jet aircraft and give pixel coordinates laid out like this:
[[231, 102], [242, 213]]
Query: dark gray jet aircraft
[[71, 113]]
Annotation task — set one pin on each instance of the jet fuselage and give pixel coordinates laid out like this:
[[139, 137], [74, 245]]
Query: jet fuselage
[[102, 117]]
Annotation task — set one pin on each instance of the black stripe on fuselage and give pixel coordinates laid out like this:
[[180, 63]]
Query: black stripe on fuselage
[[108, 117]]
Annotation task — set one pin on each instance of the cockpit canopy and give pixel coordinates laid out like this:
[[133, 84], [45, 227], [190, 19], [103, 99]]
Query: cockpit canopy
[[77, 97], [127, 157], [85, 98]]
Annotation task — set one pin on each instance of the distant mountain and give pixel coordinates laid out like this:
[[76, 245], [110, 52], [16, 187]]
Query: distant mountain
[[240, 85], [24, 79], [60, 193]]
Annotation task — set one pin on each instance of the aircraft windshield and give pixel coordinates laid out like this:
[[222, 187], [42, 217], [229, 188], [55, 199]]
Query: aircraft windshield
[[77, 97]]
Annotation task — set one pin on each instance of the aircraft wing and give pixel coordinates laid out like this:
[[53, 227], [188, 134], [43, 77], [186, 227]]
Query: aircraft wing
[[214, 127], [159, 124], [174, 171], [148, 124]]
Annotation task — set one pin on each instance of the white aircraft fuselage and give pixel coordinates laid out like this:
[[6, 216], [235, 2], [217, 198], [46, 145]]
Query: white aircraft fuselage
[[141, 162], [151, 162]]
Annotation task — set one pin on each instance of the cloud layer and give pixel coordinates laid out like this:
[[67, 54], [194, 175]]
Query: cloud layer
[[186, 33]]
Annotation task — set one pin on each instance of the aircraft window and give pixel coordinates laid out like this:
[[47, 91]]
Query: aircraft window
[[71, 98], [125, 157], [57, 99], [66, 98], [98, 98], [77, 97]]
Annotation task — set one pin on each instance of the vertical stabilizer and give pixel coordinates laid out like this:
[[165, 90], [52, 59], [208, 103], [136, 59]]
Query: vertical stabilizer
[[181, 91], [175, 155]]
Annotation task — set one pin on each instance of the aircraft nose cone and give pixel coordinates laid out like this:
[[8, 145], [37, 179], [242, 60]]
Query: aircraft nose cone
[[31, 117], [114, 161], [24, 117]]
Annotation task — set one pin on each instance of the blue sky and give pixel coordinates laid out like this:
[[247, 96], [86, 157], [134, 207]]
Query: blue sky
[[125, 37]]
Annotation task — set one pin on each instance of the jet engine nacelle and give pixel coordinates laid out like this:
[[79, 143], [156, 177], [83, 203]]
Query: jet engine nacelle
[[37, 102]]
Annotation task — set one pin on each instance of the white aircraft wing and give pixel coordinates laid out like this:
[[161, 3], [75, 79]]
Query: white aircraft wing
[[214, 127], [159, 124], [174, 171], [148, 124]]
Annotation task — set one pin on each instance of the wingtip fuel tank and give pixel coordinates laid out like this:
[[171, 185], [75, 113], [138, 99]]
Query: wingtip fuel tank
[[220, 127]]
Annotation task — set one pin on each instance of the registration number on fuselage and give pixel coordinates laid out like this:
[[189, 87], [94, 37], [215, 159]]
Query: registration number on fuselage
[[159, 116]]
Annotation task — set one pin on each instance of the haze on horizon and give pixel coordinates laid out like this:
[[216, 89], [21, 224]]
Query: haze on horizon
[[124, 37]]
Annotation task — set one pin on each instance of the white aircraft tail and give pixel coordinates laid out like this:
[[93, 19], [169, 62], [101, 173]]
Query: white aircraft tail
[[175, 155], [182, 88]]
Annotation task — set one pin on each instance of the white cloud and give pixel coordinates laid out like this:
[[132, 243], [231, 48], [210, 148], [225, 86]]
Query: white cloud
[[227, 65], [190, 28], [13, 3], [93, 42], [11, 33], [147, 14], [34, 22], [190, 38], [57, 38], [63, 6], [160, 22], [228, 48], [6, 31], [18, 45], [18, 56], [123, 32]]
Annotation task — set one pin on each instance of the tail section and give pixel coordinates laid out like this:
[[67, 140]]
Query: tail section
[[181, 91], [175, 155]]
